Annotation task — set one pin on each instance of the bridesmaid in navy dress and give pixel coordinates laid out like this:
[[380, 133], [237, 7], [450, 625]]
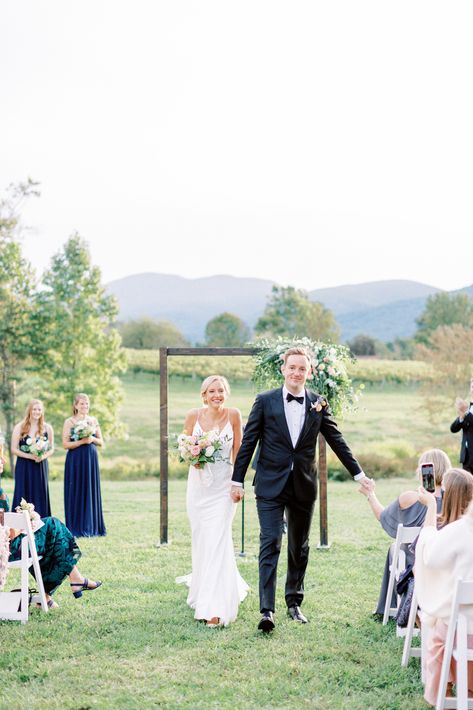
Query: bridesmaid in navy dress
[[31, 470], [82, 496]]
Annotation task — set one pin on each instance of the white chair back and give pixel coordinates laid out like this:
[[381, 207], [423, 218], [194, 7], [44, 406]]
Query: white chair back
[[405, 536], [457, 630], [14, 605]]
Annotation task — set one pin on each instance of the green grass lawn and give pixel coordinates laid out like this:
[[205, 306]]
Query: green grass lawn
[[134, 643]]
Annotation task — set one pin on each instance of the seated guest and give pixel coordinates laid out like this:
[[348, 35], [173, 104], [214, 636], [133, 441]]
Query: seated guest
[[442, 557], [407, 510], [59, 553]]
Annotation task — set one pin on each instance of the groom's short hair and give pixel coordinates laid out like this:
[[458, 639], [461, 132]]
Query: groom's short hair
[[296, 351]]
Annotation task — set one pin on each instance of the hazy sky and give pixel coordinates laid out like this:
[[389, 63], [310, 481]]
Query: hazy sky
[[314, 143]]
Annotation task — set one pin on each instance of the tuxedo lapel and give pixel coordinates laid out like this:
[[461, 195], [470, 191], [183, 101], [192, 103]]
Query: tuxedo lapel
[[309, 399], [277, 406]]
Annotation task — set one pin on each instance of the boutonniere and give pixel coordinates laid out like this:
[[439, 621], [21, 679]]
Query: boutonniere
[[319, 404]]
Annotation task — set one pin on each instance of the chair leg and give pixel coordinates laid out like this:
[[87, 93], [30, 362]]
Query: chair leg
[[462, 663], [447, 655], [406, 653], [389, 593]]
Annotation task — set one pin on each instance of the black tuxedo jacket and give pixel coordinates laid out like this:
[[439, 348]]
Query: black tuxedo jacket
[[466, 427], [277, 456]]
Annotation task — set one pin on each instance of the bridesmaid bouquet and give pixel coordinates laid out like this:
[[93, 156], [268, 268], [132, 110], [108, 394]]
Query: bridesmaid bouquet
[[194, 449], [81, 430], [37, 447]]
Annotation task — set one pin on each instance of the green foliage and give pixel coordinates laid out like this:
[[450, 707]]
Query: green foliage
[[17, 285], [290, 313], [146, 333], [444, 309], [362, 345], [226, 331], [80, 350], [329, 369]]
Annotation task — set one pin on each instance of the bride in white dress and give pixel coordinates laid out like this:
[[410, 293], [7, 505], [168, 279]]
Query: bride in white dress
[[216, 588]]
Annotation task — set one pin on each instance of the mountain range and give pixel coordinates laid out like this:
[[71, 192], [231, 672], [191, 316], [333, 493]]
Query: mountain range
[[383, 309]]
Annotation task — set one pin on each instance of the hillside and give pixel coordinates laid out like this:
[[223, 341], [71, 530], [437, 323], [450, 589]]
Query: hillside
[[383, 309]]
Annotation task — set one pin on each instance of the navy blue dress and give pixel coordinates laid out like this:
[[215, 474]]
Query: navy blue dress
[[82, 496], [31, 483]]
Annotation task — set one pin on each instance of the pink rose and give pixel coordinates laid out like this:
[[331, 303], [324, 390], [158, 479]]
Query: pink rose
[[195, 450]]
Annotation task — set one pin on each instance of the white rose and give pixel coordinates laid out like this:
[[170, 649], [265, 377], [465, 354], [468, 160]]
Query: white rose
[[29, 440], [209, 451], [321, 366]]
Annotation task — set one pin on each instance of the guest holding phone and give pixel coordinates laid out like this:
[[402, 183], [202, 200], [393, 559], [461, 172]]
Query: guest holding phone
[[408, 510]]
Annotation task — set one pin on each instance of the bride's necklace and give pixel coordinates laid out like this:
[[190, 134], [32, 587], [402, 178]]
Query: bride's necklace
[[217, 424]]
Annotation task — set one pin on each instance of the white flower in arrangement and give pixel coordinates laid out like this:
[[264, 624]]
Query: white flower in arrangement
[[28, 441], [209, 451], [331, 371], [330, 383], [321, 366]]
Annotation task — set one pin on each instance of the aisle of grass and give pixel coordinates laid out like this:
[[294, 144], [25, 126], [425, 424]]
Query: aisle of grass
[[134, 643]]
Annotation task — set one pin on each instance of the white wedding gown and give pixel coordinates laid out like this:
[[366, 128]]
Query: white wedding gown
[[216, 587]]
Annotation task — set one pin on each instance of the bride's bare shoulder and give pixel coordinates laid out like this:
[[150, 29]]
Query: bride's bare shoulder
[[234, 414], [191, 418]]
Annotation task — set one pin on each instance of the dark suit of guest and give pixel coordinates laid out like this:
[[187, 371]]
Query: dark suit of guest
[[286, 480], [466, 427]]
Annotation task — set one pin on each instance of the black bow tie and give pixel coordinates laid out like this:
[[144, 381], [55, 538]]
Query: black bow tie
[[290, 397]]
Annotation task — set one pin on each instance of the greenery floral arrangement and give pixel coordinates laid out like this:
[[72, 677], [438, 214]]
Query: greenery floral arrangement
[[329, 376]]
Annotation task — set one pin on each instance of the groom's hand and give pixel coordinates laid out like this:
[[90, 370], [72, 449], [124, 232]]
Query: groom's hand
[[367, 484], [237, 493]]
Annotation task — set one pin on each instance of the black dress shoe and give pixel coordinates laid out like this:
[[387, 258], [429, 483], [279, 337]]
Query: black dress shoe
[[266, 623], [296, 615]]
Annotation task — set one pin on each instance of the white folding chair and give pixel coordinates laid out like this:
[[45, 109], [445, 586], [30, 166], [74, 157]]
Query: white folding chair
[[404, 536], [14, 605], [410, 632], [457, 627]]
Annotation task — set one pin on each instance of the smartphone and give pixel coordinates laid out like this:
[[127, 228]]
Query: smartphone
[[428, 478]]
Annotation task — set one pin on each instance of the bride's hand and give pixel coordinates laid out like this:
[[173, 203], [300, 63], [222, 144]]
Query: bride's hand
[[236, 493]]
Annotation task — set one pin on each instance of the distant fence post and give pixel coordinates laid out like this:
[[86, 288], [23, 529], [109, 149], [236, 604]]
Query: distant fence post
[[164, 444]]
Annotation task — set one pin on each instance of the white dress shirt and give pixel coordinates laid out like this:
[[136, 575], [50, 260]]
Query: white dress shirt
[[295, 414]]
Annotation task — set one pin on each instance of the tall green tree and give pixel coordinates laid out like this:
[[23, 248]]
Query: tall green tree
[[81, 350], [444, 309], [17, 285], [226, 331], [148, 334], [290, 312]]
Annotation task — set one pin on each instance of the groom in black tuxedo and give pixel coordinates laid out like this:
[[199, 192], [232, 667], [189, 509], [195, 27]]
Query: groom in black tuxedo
[[286, 422]]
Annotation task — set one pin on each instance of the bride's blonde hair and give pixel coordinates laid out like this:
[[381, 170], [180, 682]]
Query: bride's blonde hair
[[208, 381]]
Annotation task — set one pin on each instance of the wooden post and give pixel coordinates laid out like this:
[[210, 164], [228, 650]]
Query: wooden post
[[163, 434], [322, 468]]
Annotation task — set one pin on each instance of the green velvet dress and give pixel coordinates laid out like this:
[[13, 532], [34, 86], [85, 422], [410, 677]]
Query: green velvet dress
[[58, 550]]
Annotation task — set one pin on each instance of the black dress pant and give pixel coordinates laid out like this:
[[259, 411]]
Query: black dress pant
[[271, 515]]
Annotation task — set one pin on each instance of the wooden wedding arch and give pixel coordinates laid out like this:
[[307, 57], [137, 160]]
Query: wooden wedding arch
[[164, 353]]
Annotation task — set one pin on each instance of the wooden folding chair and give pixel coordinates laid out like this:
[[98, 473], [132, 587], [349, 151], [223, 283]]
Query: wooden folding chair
[[14, 605], [404, 536], [457, 631]]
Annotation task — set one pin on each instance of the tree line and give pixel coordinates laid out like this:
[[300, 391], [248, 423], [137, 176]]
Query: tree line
[[56, 333], [289, 312]]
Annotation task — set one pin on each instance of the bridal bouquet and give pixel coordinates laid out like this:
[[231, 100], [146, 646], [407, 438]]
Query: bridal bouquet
[[82, 430], [203, 449], [37, 447]]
